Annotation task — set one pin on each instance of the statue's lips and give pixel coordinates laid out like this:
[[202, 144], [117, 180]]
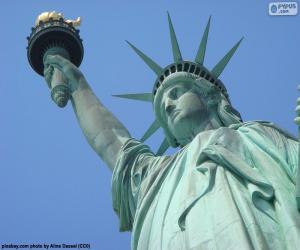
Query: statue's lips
[[174, 113]]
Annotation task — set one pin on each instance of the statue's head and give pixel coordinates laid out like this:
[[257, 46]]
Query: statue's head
[[187, 97], [187, 104]]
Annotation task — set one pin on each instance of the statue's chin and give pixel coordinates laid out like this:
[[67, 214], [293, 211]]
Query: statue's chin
[[184, 142], [183, 137]]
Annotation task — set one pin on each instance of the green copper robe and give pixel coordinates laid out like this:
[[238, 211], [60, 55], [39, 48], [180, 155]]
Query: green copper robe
[[230, 188]]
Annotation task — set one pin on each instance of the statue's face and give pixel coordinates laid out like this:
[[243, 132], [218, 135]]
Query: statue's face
[[184, 110]]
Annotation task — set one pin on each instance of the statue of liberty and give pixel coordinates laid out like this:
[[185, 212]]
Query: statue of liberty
[[231, 185]]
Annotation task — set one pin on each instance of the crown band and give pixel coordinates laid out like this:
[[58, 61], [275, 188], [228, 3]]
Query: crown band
[[193, 68]]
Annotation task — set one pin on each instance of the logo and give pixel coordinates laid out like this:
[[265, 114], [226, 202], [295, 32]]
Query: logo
[[283, 8], [273, 8]]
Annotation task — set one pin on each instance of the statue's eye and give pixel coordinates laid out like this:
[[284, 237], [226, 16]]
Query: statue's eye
[[174, 93], [179, 92]]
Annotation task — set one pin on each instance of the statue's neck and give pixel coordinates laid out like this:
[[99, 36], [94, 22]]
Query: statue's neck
[[213, 122]]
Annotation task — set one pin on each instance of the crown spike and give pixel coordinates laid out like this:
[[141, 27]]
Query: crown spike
[[218, 69], [175, 47], [145, 97], [202, 47], [153, 65], [163, 147], [151, 130]]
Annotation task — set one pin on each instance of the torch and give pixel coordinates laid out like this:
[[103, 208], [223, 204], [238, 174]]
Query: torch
[[53, 35]]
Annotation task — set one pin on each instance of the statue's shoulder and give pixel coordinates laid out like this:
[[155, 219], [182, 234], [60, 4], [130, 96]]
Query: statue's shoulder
[[263, 126]]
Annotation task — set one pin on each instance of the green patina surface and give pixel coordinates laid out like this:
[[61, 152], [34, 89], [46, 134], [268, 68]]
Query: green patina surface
[[232, 185]]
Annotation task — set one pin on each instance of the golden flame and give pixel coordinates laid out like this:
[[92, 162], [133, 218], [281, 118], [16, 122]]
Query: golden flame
[[45, 16]]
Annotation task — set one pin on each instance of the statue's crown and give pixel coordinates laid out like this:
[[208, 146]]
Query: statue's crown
[[195, 68]]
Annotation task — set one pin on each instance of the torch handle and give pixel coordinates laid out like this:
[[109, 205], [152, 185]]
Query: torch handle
[[60, 92]]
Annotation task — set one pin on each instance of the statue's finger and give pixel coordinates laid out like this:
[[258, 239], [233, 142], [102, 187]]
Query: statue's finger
[[56, 61], [48, 72], [297, 121], [48, 78], [47, 69], [56, 66], [298, 101], [298, 109]]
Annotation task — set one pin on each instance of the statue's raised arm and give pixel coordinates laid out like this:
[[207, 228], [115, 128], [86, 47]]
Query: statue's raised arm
[[55, 51], [103, 131]]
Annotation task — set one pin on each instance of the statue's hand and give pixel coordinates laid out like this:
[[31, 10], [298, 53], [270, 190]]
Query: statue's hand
[[48, 73], [70, 72], [297, 119]]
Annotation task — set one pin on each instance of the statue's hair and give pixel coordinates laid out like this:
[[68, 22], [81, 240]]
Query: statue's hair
[[213, 96]]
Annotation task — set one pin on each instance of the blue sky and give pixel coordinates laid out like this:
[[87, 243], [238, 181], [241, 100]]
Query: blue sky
[[54, 188]]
